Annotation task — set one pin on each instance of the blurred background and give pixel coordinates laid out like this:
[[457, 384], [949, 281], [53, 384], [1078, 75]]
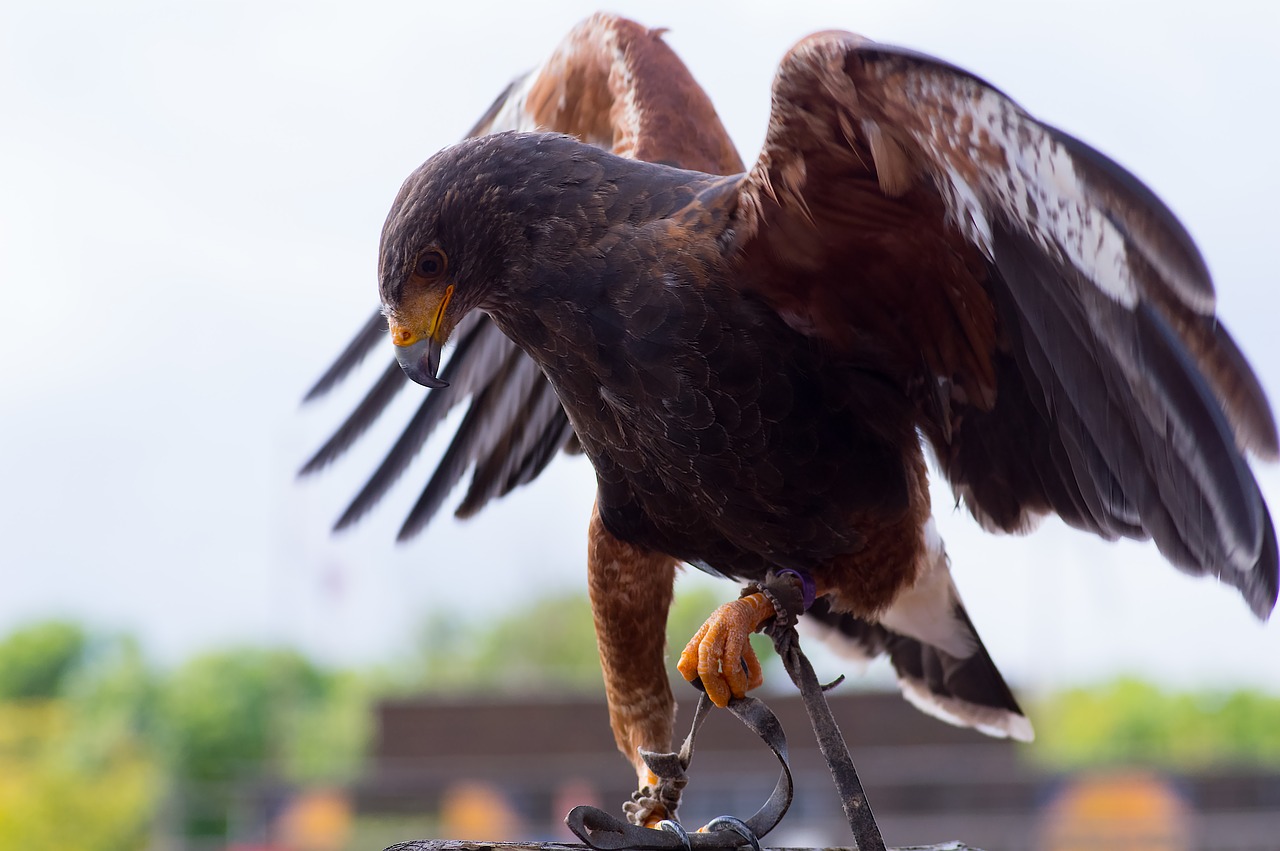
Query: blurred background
[[190, 200]]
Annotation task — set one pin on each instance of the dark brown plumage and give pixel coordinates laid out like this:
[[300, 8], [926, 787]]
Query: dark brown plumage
[[749, 361]]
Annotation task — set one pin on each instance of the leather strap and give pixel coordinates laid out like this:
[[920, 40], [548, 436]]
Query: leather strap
[[866, 833], [603, 832]]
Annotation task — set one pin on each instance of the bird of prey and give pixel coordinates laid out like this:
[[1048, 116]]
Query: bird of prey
[[758, 361]]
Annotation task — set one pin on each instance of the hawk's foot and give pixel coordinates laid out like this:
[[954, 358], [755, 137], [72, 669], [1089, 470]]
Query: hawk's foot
[[655, 801], [720, 653]]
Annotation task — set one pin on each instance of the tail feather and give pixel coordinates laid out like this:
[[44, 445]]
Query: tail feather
[[965, 691], [943, 668]]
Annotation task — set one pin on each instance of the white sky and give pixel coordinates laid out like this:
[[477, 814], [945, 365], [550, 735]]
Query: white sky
[[190, 200]]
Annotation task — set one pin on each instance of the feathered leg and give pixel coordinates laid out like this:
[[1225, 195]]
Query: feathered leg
[[631, 591]]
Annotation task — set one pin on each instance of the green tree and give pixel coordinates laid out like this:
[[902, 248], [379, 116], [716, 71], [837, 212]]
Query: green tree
[[226, 713], [51, 800], [112, 695], [1132, 721], [76, 768], [239, 716], [36, 660], [549, 645]]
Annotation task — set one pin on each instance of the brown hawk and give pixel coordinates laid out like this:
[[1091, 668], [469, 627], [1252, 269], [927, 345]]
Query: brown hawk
[[756, 361]]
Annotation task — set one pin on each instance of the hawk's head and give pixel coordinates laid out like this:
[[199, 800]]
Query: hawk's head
[[469, 227]]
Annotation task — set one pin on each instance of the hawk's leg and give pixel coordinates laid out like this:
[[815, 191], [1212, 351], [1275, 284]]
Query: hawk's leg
[[720, 652], [631, 590]]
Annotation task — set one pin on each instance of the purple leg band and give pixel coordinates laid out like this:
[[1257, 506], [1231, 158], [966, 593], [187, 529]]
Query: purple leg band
[[808, 588]]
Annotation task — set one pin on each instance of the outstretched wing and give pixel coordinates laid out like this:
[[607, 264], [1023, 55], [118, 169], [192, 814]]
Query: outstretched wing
[[1053, 319], [612, 83]]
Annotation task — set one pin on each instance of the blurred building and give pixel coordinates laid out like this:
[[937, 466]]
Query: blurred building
[[482, 769]]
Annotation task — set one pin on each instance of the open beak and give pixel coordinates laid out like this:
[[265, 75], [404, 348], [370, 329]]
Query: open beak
[[418, 351]]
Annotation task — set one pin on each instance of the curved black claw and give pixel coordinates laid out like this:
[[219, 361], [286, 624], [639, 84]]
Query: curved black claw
[[737, 825], [674, 827]]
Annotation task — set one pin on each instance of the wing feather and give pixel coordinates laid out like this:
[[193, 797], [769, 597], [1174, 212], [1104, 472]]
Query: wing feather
[[478, 356], [380, 395], [1149, 413], [612, 83], [369, 336], [469, 443], [522, 448], [998, 163], [1072, 361]]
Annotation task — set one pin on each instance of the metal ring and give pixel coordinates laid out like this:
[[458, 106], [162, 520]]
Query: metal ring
[[674, 827], [738, 826]]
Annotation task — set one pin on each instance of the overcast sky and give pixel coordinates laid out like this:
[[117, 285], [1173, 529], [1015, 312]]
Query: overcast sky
[[190, 201]]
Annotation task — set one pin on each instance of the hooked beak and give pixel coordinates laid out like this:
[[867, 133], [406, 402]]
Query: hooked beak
[[421, 361], [418, 353]]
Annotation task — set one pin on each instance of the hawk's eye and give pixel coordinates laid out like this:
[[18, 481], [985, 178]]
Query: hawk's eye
[[430, 265]]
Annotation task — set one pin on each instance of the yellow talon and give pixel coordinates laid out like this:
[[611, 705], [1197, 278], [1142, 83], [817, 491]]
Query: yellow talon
[[721, 648]]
